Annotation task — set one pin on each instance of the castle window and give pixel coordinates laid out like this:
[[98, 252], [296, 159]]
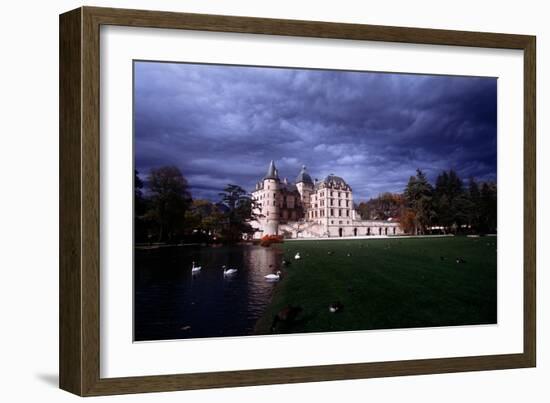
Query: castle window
[[338, 194], [339, 203], [332, 212], [273, 202], [331, 202], [347, 213]]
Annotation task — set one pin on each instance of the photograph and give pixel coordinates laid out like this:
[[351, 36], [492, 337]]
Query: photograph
[[273, 200]]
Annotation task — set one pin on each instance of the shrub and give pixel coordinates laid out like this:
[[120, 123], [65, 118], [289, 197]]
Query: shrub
[[267, 240]]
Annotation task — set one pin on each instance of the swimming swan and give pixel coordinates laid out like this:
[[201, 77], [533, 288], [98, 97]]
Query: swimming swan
[[227, 272], [273, 276], [194, 268]]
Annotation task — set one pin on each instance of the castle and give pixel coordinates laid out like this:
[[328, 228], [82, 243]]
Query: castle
[[311, 209]]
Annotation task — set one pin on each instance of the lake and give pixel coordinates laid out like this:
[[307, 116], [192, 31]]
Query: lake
[[172, 303]]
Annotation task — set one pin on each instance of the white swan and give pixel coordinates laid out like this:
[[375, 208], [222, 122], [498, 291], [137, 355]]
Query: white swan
[[273, 276], [297, 256], [227, 272], [194, 268]]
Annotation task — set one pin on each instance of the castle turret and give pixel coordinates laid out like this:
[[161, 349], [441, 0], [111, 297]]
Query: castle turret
[[304, 184], [271, 203]]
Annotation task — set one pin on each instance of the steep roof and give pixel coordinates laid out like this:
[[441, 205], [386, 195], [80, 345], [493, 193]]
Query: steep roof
[[333, 180], [272, 172]]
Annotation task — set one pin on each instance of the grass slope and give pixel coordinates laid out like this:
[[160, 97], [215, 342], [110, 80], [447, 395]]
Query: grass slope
[[387, 283]]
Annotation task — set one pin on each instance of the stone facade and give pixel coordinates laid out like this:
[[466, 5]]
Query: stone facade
[[308, 209]]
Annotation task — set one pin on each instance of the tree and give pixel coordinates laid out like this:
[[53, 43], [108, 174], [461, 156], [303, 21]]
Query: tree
[[386, 205], [203, 220], [473, 209], [419, 197], [407, 221], [140, 208], [488, 207], [169, 200], [451, 203], [240, 206]]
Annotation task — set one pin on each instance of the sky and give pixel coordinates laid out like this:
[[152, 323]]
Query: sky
[[223, 124]]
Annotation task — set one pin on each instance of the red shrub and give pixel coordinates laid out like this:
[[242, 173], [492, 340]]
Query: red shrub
[[267, 240]]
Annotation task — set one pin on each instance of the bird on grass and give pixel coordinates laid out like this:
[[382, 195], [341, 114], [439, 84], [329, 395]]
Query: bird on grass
[[335, 307], [460, 260], [195, 269], [285, 316], [297, 256]]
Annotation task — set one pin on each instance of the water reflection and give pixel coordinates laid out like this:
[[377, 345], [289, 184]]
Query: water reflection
[[171, 302]]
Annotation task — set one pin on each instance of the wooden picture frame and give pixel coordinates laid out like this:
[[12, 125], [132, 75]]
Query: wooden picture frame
[[79, 201]]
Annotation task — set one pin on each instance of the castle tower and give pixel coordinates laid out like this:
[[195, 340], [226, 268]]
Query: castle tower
[[304, 184], [271, 203]]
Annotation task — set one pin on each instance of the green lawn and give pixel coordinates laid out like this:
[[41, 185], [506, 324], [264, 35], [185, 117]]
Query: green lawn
[[386, 283]]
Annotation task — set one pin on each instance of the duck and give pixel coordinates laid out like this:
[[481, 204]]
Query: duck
[[297, 256], [273, 276], [460, 260], [335, 307], [286, 262], [195, 269], [227, 272], [330, 253]]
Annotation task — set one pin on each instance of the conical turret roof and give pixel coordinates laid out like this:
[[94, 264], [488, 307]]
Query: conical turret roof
[[272, 171]]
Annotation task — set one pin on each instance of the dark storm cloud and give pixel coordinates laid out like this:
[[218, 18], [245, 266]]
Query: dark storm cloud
[[223, 124]]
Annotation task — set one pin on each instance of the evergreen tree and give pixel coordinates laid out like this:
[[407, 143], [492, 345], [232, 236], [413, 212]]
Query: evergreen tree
[[488, 207], [474, 211], [419, 197], [451, 202]]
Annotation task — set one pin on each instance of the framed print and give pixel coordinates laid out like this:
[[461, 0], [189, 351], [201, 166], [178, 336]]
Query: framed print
[[249, 201]]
